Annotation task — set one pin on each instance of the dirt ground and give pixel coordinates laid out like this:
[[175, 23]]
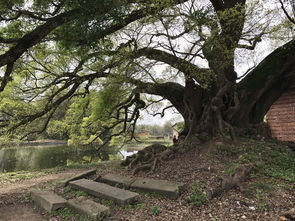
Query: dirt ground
[[268, 202], [200, 165], [15, 204], [19, 212]]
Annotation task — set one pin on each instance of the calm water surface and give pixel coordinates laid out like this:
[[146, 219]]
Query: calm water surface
[[41, 157]]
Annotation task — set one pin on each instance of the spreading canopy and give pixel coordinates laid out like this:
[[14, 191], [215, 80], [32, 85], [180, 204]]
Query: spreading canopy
[[53, 51]]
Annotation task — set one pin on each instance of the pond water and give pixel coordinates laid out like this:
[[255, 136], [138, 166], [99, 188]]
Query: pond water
[[41, 157]]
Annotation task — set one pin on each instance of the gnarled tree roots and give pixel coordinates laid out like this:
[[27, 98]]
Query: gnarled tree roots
[[151, 156], [148, 158]]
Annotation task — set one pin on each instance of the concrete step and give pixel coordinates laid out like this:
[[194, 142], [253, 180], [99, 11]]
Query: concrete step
[[162, 187], [89, 207], [105, 191], [77, 177], [117, 180], [48, 200]]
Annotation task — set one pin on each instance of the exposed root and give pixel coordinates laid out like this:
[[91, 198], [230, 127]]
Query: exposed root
[[236, 178], [142, 168], [149, 158], [154, 165], [289, 215]]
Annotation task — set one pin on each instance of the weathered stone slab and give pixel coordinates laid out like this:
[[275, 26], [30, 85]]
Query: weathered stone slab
[[78, 176], [48, 200], [117, 180], [105, 191], [162, 187], [89, 207]]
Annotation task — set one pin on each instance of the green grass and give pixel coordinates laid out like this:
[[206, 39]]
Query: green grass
[[152, 194], [140, 205], [270, 159], [109, 203], [69, 215], [274, 167], [79, 193], [13, 177], [260, 197], [128, 207], [263, 187], [97, 165]]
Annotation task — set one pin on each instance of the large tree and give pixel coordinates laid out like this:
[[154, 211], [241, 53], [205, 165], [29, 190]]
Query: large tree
[[54, 50]]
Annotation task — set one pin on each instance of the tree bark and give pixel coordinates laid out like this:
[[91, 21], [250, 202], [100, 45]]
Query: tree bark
[[265, 84], [233, 107]]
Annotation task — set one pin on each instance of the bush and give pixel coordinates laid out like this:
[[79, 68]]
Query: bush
[[155, 210], [197, 196]]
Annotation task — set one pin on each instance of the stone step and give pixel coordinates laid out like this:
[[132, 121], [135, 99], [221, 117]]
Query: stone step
[[117, 180], [105, 191], [48, 200], [77, 177], [162, 187], [89, 207]]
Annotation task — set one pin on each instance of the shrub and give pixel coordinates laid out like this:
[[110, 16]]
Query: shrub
[[155, 210], [197, 196]]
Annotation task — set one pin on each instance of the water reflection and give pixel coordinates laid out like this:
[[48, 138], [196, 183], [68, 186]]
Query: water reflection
[[40, 157], [47, 156], [126, 153]]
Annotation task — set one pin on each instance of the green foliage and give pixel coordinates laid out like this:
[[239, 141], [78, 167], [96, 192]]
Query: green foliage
[[127, 207], [57, 129], [79, 50], [270, 159], [155, 130], [259, 191], [229, 150], [68, 214], [79, 193], [140, 205], [260, 197], [109, 203], [155, 210], [258, 186], [156, 195], [197, 197], [230, 168]]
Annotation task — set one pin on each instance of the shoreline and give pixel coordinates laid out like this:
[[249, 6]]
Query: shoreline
[[33, 143]]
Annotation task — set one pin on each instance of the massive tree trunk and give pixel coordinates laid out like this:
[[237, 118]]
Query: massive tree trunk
[[255, 95], [235, 106], [265, 84]]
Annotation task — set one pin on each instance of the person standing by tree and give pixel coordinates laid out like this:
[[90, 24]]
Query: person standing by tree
[[174, 140]]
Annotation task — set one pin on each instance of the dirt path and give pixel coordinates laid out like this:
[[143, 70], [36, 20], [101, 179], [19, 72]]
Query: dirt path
[[12, 209], [19, 213], [26, 184]]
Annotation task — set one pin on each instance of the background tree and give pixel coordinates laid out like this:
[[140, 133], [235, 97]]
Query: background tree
[[64, 50]]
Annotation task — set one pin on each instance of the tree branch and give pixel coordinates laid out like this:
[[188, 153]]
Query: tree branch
[[188, 68], [286, 13], [34, 37], [6, 77]]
